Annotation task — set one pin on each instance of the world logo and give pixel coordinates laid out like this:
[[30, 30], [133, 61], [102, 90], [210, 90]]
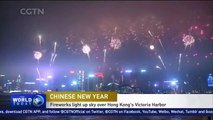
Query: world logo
[[38, 100]]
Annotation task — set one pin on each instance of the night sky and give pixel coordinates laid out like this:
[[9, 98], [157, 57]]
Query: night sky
[[74, 24]]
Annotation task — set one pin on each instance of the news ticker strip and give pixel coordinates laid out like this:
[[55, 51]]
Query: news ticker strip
[[141, 112], [110, 100]]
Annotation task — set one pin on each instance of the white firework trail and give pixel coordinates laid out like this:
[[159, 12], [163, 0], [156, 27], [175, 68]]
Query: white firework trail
[[115, 30], [54, 58], [179, 61], [39, 75], [55, 45], [88, 56], [51, 59], [161, 43], [105, 55], [39, 38], [150, 33], [53, 55], [161, 61]]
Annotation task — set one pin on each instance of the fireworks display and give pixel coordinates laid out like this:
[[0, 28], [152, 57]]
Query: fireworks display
[[147, 31], [115, 43], [152, 47], [86, 50], [37, 55], [188, 41]]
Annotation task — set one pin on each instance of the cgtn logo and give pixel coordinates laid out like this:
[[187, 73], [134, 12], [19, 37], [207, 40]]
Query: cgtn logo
[[28, 100], [32, 11]]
